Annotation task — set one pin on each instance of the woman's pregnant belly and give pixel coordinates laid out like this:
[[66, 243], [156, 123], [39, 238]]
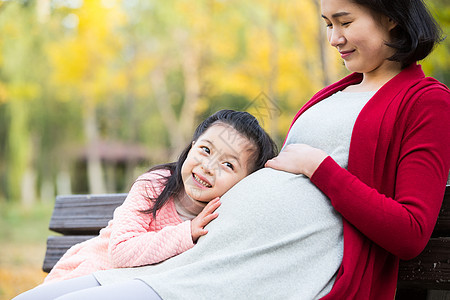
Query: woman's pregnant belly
[[270, 205]]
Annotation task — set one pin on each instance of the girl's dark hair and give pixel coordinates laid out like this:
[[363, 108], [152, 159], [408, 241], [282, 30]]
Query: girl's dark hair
[[416, 33], [242, 122]]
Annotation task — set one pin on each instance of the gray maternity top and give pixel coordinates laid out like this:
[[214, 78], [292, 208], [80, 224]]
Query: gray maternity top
[[277, 235]]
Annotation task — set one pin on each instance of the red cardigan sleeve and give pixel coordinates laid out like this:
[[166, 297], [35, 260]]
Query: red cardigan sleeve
[[402, 224]]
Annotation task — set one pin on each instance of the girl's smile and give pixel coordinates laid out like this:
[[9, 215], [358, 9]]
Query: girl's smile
[[203, 183]]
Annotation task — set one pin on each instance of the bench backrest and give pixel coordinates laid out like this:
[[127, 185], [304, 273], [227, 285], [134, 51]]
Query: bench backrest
[[84, 214]]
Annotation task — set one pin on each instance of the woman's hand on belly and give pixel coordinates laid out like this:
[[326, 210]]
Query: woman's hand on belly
[[298, 159]]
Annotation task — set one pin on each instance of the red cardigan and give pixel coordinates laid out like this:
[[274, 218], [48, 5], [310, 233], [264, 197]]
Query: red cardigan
[[391, 194]]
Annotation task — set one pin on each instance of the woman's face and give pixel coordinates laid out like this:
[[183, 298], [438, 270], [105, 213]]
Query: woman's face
[[358, 35], [217, 161]]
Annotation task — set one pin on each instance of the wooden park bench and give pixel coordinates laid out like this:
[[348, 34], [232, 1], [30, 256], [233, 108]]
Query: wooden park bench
[[80, 217]]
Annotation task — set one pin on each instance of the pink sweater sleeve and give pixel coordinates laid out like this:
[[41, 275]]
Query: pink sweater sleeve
[[133, 242], [402, 225]]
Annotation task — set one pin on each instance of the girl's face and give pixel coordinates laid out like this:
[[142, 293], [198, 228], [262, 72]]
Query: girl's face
[[358, 35], [216, 162]]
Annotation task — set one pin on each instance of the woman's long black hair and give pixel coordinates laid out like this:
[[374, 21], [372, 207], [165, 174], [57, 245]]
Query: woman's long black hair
[[242, 122]]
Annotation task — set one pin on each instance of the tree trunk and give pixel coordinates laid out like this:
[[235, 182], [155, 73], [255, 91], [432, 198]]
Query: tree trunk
[[28, 187], [96, 179], [43, 10], [190, 66], [47, 194], [19, 148], [274, 72], [323, 45], [179, 128], [63, 185], [169, 118]]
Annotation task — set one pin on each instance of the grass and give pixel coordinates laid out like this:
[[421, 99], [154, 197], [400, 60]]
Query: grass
[[23, 235]]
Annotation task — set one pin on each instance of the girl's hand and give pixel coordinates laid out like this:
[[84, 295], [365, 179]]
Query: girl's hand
[[298, 159], [203, 219]]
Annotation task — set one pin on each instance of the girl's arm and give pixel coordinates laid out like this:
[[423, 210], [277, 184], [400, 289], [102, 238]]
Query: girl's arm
[[402, 225], [132, 242]]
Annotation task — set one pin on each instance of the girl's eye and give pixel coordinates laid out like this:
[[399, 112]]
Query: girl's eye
[[227, 164], [206, 149], [329, 25], [345, 23]]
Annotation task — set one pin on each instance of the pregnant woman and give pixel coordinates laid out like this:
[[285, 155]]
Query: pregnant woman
[[357, 186]]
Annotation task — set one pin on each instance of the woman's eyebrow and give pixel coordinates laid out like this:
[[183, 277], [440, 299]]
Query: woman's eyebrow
[[337, 15]]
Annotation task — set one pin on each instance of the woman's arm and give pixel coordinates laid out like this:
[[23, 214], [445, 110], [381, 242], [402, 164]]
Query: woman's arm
[[132, 242]]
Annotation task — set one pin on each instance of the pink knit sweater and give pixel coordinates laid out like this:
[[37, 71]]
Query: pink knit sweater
[[131, 238]]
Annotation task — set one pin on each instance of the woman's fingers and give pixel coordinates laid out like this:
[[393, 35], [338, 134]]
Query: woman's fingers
[[298, 159], [282, 162], [273, 163]]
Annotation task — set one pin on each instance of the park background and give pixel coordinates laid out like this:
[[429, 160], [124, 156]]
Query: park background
[[94, 92]]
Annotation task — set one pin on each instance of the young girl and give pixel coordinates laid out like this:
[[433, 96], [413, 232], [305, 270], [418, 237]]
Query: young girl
[[168, 207]]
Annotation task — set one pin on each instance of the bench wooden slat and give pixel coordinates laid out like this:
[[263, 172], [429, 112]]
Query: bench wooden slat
[[430, 270], [57, 246], [84, 214]]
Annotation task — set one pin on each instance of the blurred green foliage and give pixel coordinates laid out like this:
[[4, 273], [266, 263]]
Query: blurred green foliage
[[130, 79]]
